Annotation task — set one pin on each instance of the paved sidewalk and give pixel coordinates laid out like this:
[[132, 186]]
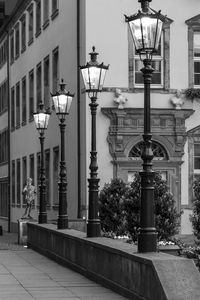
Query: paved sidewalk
[[25, 274]]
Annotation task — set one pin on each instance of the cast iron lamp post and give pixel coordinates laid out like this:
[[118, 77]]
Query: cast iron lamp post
[[62, 101], [41, 118], [146, 28], [93, 76]]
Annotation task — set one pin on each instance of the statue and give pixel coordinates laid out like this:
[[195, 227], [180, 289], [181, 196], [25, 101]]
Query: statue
[[29, 192], [120, 99], [177, 100]]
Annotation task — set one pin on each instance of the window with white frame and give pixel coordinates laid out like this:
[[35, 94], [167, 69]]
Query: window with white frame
[[196, 159], [197, 59], [157, 64], [160, 62]]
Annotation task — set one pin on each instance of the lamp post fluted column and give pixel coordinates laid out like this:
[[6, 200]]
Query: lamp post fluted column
[[62, 216], [93, 225], [41, 118], [62, 101], [147, 238], [42, 218], [93, 76]]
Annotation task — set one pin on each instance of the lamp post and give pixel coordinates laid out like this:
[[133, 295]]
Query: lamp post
[[41, 118], [93, 75], [62, 101], [146, 28]]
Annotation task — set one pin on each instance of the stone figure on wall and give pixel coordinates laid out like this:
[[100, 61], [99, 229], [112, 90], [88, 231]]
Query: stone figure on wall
[[177, 100], [29, 192], [120, 99]]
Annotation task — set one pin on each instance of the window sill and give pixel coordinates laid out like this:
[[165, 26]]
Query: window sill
[[46, 24], [23, 49], [54, 14], [24, 123], [30, 41], [38, 32]]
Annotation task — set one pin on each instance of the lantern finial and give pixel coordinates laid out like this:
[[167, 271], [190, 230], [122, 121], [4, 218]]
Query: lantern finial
[[93, 56]]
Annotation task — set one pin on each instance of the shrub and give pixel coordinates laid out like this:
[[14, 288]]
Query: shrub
[[111, 208], [120, 208], [195, 217]]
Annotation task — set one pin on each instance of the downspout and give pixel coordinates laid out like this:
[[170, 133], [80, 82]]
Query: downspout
[[8, 97], [78, 111]]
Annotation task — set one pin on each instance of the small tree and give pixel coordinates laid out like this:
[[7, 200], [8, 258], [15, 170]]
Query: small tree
[[167, 219], [111, 209], [195, 217]]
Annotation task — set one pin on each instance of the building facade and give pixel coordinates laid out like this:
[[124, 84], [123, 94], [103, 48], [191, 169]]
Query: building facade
[[49, 40]]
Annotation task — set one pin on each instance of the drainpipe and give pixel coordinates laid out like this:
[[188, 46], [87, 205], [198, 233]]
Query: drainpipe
[[78, 111], [8, 95]]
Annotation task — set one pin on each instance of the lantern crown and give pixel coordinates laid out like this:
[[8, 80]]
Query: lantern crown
[[93, 74], [146, 29], [62, 101]]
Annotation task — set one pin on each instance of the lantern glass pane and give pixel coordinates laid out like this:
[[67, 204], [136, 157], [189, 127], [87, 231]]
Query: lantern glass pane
[[91, 77], [135, 27], [102, 78], [41, 120], [55, 103], [69, 102], [146, 33]]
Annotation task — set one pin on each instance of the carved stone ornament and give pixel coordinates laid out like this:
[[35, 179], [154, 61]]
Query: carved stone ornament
[[177, 100], [120, 99]]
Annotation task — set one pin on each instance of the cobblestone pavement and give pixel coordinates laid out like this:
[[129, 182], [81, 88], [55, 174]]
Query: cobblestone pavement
[[25, 274]]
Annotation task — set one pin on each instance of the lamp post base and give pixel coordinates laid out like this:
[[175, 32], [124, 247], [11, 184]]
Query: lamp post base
[[147, 242], [62, 222], [93, 228]]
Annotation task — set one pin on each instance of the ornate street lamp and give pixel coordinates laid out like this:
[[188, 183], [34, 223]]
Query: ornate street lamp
[[41, 118], [62, 101], [93, 76], [146, 28]]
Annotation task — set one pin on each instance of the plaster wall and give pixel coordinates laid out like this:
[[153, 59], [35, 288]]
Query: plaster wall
[[25, 141]]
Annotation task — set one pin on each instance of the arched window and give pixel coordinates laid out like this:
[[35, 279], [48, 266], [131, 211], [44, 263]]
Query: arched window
[[158, 151]]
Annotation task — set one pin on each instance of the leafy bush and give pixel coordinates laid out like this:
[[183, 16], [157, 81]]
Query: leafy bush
[[195, 217], [120, 208], [111, 208]]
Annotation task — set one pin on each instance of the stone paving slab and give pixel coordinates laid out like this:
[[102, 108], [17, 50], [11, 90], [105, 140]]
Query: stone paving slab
[[25, 274]]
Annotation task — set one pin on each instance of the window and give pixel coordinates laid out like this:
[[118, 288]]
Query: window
[[160, 62], [18, 105], [12, 108], [30, 24], [38, 18], [196, 159], [54, 8], [194, 51], [24, 101], [55, 174], [197, 59], [12, 50], [4, 146], [46, 82], [13, 181], [24, 175], [31, 95], [23, 33], [17, 41], [47, 175], [32, 167], [39, 84], [45, 13], [4, 197], [157, 64], [3, 97], [18, 182], [55, 70], [158, 151]]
